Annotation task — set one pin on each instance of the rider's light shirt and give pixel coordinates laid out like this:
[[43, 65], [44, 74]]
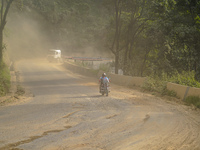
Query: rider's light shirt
[[104, 79]]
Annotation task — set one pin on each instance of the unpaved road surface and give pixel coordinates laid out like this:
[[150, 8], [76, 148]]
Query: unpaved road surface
[[67, 113]]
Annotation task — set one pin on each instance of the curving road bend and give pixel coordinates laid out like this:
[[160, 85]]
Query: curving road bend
[[67, 113]]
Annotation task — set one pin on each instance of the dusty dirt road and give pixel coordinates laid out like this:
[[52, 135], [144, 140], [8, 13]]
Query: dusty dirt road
[[68, 113]]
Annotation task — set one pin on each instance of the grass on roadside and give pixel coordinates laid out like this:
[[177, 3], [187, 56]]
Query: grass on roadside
[[155, 84], [20, 90], [184, 78], [193, 100], [159, 85]]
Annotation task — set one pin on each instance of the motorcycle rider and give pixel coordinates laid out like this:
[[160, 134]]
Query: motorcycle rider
[[103, 79]]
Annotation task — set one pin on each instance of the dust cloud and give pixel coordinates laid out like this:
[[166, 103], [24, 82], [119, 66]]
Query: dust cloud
[[28, 35]]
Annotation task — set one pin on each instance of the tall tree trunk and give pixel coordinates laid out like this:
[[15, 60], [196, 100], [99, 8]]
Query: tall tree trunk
[[143, 65], [117, 33], [116, 63], [3, 15], [125, 65], [1, 46]]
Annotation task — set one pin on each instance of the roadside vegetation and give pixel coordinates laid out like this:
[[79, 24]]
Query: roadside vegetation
[[4, 79], [159, 83], [155, 84], [20, 90], [193, 100]]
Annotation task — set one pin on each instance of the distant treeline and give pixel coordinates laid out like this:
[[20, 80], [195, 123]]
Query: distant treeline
[[146, 37]]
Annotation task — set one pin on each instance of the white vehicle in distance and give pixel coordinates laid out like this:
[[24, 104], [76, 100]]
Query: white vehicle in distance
[[54, 55]]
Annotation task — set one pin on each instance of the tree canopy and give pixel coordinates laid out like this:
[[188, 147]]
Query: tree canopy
[[145, 36], [4, 8]]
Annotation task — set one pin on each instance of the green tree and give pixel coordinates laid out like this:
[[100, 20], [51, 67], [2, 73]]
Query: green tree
[[146, 36], [189, 12], [5, 6], [179, 24], [130, 20], [139, 17], [115, 47]]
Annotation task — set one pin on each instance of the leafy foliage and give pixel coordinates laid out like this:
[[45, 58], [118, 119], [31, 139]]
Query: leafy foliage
[[158, 36], [4, 8], [155, 84], [159, 83], [147, 37], [186, 78], [4, 79], [193, 100], [20, 90]]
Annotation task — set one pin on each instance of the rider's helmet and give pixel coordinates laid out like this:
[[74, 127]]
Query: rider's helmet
[[104, 75]]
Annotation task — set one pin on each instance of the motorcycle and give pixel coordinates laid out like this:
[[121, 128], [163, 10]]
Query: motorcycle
[[104, 88]]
